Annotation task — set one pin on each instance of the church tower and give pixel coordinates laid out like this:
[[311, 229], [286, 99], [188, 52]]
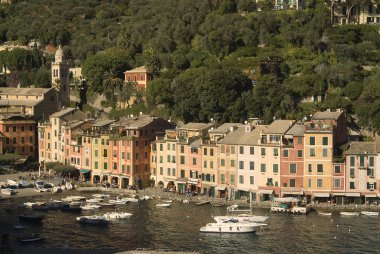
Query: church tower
[[60, 78]]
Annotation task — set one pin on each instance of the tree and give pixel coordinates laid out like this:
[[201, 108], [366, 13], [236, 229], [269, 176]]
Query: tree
[[125, 93], [112, 81], [152, 61]]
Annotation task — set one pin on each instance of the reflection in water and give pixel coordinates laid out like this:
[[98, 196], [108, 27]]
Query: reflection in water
[[177, 228]]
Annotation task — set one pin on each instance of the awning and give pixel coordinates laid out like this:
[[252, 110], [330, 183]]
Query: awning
[[181, 181], [339, 194], [84, 171], [193, 181], [370, 195], [245, 189], [322, 194], [353, 194], [220, 188], [265, 191], [292, 192]]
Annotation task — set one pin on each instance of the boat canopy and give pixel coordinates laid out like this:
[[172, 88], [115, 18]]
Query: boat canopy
[[286, 200]]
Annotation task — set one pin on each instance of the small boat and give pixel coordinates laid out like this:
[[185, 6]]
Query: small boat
[[57, 189], [31, 217], [31, 239], [94, 200], [75, 203], [8, 191], [107, 204], [118, 201], [132, 200], [349, 213], [185, 201], [231, 226], [164, 205], [116, 215], [324, 213], [90, 207], [146, 198], [19, 227], [202, 203], [30, 204], [168, 201], [69, 186], [94, 219], [241, 218], [101, 196], [366, 213]]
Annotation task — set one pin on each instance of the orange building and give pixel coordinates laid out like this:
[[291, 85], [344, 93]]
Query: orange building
[[139, 76], [19, 134]]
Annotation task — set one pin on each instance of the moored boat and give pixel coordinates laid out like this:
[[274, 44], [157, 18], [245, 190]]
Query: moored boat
[[31, 239], [107, 204], [349, 213], [102, 196], [94, 219], [116, 215], [241, 218], [90, 207], [8, 191], [324, 213], [118, 201], [231, 226], [163, 205], [367, 213]]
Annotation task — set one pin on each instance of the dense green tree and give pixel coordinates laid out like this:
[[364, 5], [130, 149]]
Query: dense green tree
[[113, 82]]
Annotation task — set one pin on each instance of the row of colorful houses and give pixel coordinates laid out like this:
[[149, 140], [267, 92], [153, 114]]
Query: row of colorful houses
[[312, 159]]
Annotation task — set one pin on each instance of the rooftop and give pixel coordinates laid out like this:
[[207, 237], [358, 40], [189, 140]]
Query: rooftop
[[27, 103], [138, 69], [16, 117], [326, 115], [296, 130], [279, 126], [102, 122], [134, 122], [63, 112], [225, 127], [195, 126], [358, 147], [23, 91], [241, 137]]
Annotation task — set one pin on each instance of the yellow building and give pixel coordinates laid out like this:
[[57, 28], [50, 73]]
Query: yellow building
[[318, 161]]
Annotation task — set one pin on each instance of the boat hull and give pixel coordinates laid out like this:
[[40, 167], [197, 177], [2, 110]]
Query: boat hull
[[248, 218], [231, 229]]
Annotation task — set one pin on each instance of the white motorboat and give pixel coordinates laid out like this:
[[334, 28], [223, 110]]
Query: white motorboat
[[116, 215], [349, 213], [241, 218], [101, 196], [231, 226], [185, 201], [366, 213], [324, 213], [8, 191], [164, 205], [168, 201], [12, 184], [69, 186], [146, 197], [132, 200], [118, 201], [94, 219], [30, 204], [90, 207], [94, 200]]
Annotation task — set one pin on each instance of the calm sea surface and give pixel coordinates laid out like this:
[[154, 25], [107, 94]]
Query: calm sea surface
[[177, 229]]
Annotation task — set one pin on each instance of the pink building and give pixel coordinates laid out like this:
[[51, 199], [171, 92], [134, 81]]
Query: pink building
[[138, 76]]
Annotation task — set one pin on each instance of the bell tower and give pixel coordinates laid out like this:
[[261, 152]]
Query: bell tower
[[60, 78]]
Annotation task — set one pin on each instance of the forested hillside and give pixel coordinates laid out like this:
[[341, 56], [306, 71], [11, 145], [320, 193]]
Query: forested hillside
[[219, 59]]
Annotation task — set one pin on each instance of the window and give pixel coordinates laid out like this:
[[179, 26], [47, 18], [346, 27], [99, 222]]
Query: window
[[211, 164], [104, 152], [299, 140], [194, 161], [292, 183], [232, 149], [299, 153], [263, 167], [122, 155], [312, 152], [275, 151], [241, 149], [182, 149], [241, 179], [336, 183], [222, 178], [123, 168], [96, 165], [14, 140], [168, 171], [312, 141], [87, 162], [251, 180], [161, 170], [96, 141], [182, 173], [128, 169], [105, 166], [161, 147], [222, 148], [324, 152], [14, 128], [173, 172], [251, 150], [310, 168], [371, 161], [222, 162], [205, 164], [361, 161], [269, 181], [232, 179], [173, 147], [232, 163], [319, 168], [319, 183], [168, 158], [137, 168], [241, 164], [7, 129], [337, 169], [352, 172], [352, 185], [262, 151], [22, 128], [211, 151], [252, 165], [204, 151], [182, 159], [114, 165], [285, 153], [293, 168], [370, 172], [22, 140], [352, 161], [275, 168], [309, 183], [325, 141]]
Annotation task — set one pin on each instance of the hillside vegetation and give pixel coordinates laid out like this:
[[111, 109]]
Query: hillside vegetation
[[219, 59]]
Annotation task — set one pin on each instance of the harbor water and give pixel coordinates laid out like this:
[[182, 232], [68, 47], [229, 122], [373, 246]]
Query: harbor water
[[177, 229]]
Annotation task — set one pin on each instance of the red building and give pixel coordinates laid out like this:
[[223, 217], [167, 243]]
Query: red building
[[19, 134], [138, 76], [292, 162]]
